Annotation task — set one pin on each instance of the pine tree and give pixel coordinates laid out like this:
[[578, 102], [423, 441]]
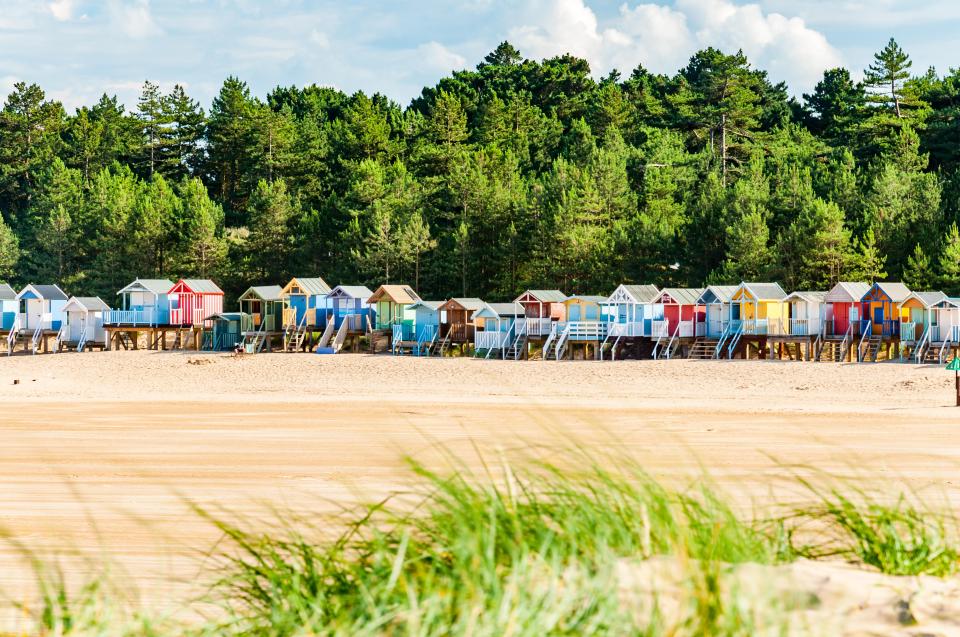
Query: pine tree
[[890, 68], [204, 250], [154, 122], [867, 263], [187, 122], [272, 211], [9, 250], [949, 262], [749, 257], [417, 240], [919, 275], [58, 237]]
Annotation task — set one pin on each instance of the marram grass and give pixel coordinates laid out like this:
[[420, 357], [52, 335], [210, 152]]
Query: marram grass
[[522, 551]]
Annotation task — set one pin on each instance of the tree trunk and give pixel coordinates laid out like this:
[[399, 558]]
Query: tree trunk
[[723, 147]]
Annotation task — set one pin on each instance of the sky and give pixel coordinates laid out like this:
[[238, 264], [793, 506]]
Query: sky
[[78, 49]]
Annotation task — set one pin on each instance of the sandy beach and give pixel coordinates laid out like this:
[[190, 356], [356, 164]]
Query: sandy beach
[[102, 451]]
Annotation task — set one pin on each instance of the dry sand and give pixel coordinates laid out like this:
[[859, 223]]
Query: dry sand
[[100, 451]]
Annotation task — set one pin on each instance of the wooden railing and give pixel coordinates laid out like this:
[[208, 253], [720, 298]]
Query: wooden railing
[[179, 316], [493, 339], [659, 329], [631, 329], [908, 332], [460, 332], [539, 326]]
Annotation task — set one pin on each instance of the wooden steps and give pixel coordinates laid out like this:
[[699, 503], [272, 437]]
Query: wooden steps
[[703, 348], [831, 352]]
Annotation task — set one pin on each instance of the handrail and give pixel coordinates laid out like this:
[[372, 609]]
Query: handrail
[[676, 332], [867, 330], [13, 334], [735, 338], [564, 338], [83, 338], [946, 343], [61, 337], [918, 352], [37, 334], [723, 337]]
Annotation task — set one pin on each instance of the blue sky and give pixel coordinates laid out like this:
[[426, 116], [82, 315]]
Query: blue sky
[[77, 49]]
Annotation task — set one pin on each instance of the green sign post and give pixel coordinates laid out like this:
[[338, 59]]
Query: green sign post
[[954, 366]]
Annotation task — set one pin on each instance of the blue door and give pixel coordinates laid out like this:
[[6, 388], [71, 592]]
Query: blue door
[[574, 313], [878, 315]]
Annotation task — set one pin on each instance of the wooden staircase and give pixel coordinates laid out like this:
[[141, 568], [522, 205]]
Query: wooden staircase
[[831, 351], [871, 349], [703, 348]]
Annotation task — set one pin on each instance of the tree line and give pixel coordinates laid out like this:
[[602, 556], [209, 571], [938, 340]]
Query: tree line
[[516, 174]]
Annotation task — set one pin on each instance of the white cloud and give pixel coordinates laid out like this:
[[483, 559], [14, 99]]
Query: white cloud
[[133, 18], [62, 10], [662, 37], [440, 58]]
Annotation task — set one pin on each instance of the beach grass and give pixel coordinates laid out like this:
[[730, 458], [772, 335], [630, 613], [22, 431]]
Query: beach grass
[[532, 548]]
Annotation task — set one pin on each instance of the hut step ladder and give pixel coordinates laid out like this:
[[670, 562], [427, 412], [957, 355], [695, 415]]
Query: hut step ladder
[[703, 349], [37, 336], [944, 350], [124, 340], [444, 344], [718, 352], [341, 337], [562, 341], [208, 342], [871, 350], [922, 345], [13, 335], [734, 341], [327, 333], [177, 340], [82, 344], [551, 340]]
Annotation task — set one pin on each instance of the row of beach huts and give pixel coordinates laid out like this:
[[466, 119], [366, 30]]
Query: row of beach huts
[[854, 322]]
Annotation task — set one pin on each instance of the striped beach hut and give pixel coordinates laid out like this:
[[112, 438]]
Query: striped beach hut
[[193, 301], [8, 307], [143, 302], [390, 303], [684, 319], [542, 308], [83, 324], [305, 301]]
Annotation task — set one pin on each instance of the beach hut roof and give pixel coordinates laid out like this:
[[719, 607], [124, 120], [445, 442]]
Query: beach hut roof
[[717, 294], [264, 292], [46, 292], [633, 293], [500, 310], [764, 291], [588, 298], [847, 292], [154, 286], [808, 296], [433, 306], [896, 292], [545, 296], [948, 302], [402, 294], [468, 304], [199, 286], [927, 299], [88, 303], [315, 286], [352, 291], [682, 296], [7, 293]]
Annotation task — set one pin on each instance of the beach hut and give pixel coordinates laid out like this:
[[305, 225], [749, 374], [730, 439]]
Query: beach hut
[[944, 331], [227, 331], [83, 324], [717, 301], [880, 320], [496, 334], [806, 313], [584, 326], [193, 301], [420, 335], [683, 320], [752, 308], [390, 302], [264, 305], [144, 302], [305, 301], [542, 308], [9, 307], [843, 309], [630, 312], [39, 316], [348, 303], [456, 321], [917, 320]]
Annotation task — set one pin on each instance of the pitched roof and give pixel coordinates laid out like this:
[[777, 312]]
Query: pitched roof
[[314, 286], [928, 299], [764, 291], [683, 296], [808, 296], [433, 306], [265, 292], [402, 294], [88, 303], [642, 293], [202, 286], [588, 298], [353, 291], [847, 292], [469, 304], [46, 292], [500, 310], [7, 293], [546, 296], [154, 286], [896, 292], [722, 293]]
